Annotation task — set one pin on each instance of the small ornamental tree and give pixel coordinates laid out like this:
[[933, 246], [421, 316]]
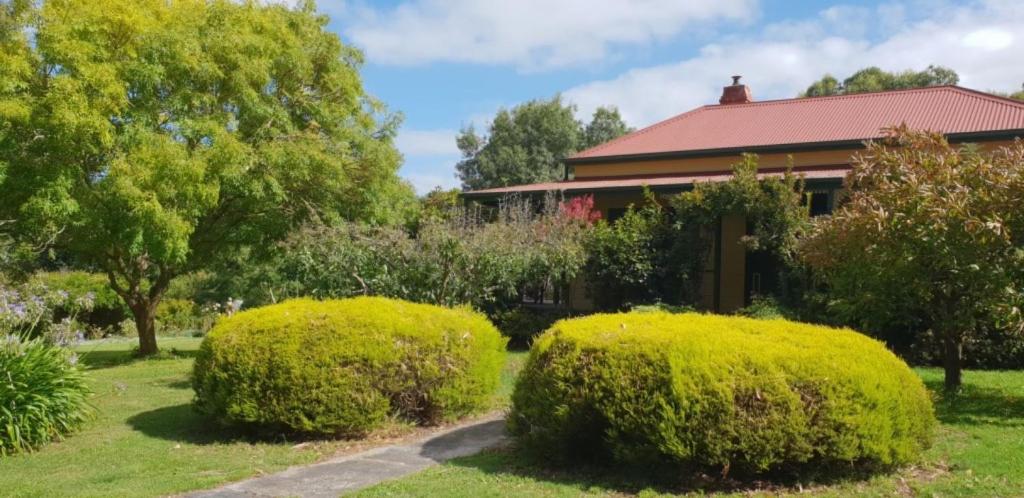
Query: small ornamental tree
[[151, 138], [928, 228]]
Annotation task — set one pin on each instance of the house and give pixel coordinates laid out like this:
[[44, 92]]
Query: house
[[817, 136]]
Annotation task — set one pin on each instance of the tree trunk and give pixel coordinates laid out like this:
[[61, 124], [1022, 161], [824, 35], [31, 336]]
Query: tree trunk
[[145, 324], [953, 356]]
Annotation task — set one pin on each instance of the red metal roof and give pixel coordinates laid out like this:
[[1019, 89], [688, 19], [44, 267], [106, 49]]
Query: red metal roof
[[945, 109], [592, 184]]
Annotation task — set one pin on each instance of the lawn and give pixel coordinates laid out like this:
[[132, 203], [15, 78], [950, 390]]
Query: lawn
[[979, 452], [146, 440]]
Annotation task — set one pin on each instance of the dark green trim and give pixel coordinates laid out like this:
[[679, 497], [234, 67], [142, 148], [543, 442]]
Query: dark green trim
[[661, 189]]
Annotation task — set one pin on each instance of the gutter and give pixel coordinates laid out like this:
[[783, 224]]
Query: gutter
[[984, 136]]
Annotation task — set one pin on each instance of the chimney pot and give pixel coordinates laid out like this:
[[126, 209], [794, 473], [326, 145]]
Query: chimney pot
[[736, 93]]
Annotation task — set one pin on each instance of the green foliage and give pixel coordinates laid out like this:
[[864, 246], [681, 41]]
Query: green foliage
[[465, 259], [764, 307], [930, 237], [525, 145], [104, 308], [522, 324], [528, 143], [715, 393], [650, 255], [151, 138], [43, 394], [439, 205], [605, 125], [989, 348], [662, 308], [183, 316], [343, 367], [773, 208], [873, 79], [626, 260]]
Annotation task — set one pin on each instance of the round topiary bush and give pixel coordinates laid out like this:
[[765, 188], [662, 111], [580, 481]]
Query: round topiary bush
[[717, 392], [342, 367], [43, 393]]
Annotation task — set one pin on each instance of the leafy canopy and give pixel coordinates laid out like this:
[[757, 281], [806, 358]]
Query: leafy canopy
[[873, 79], [528, 143], [149, 138], [928, 230]]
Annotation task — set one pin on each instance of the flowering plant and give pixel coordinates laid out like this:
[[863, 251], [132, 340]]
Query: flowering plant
[[580, 208], [30, 311]]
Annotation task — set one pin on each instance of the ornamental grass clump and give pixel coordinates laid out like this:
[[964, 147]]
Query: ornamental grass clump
[[344, 367], [43, 393], [716, 393]]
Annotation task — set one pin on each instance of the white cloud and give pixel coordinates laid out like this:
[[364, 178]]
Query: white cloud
[[988, 39], [425, 182], [427, 142], [976, 40], [531, 34]]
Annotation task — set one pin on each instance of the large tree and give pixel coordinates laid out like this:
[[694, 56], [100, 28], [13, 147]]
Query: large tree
[[151, 138], [928, 230], [527, 144], [605, 125], [873, 79]]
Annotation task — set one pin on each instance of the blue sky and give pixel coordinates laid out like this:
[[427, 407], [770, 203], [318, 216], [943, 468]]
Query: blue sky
[[448, 63]]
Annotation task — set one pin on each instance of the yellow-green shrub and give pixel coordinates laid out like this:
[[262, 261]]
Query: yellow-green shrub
[[342, 367], [707, 391]]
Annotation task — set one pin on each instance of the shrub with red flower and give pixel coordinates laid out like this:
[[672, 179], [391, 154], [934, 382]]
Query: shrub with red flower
[[580, 208]]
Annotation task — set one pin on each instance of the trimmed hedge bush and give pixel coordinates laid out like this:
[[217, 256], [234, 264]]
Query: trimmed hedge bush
[[43, 393], [342, 367], [718, 392]]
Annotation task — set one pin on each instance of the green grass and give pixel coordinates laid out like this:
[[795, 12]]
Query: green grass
[[146, 440], [979, 451]]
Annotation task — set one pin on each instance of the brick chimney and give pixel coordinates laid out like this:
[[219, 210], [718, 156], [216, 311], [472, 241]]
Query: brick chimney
[[736, 93]]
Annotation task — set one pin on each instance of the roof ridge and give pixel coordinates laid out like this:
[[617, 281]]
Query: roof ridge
[[639, 132], [998, 99], [1000, 113], [862, 95]]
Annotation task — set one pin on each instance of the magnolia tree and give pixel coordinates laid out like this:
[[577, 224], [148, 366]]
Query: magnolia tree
[[150, 138], [928, 228]]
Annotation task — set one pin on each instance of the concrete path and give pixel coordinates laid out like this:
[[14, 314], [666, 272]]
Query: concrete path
[[351, 472]]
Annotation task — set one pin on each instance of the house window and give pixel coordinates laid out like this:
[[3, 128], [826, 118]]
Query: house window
[[615, 213], [820, 203]]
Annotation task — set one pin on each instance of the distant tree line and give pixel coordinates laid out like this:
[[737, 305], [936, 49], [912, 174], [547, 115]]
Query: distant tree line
[[527, 144], [874, 79]]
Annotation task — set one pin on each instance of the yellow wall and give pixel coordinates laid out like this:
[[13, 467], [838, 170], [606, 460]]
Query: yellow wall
[[724, 163], [704, 164]]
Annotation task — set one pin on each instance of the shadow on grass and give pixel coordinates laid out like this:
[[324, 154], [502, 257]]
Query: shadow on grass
[[510, 461], [183, 423], [977, 405], [94, 360]]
